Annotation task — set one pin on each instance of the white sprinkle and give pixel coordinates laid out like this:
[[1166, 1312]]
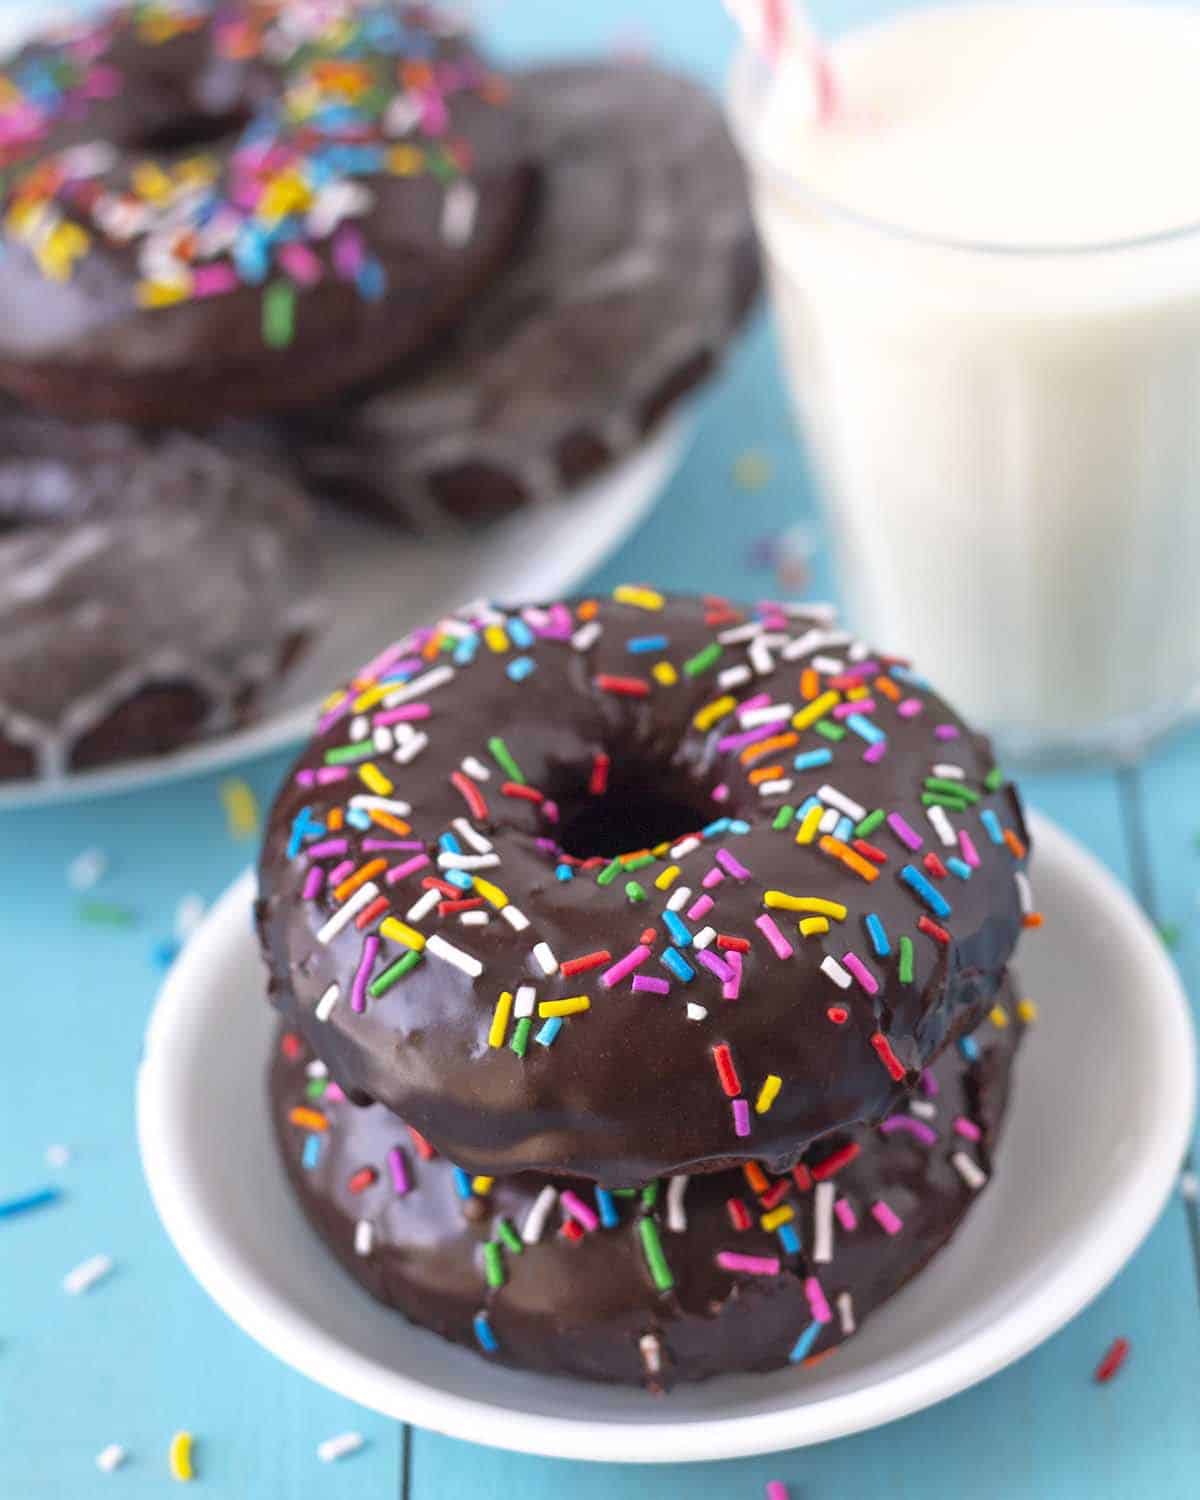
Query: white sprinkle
[[970, 1172], [458, 212], [546, 960], [383, 741], [188, 915], [830, 819], [679, 898], [360, 727], [364, 1237], [422, 906], [811, 609], [760, 657], [58, 1156], [733, 677], [774, 788], [535, 1219], [473, 918], [651, 1353], [736, 634], [685, 846], [110, 1458], [449, 861], [326, 1003], [523, 1006], [403, 112], [368, 800], [426, 683], [87, 1273], [833, 798], [941, 826], [1024, 892], [775, 639], [950, 773], [924, 1108], [834, 970], [341, 1446], [476, 769], [586, 636], [1189, 1186], [340, 200], [704, 938], [845, 1307], [407, 752], [751, 718], [829, 665], [859, 651], [515, 917], [676, 1213], [696, 1012], [86, 869], [470, 835], [811, 640], [456, 956], [823, 1223], [316, 1069], [344, 914]]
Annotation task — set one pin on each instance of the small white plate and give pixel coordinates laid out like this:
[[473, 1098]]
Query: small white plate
[[379, 583], [1051, 1231]]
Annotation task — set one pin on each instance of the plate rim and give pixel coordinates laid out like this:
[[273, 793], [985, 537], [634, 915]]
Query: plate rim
[[1118, 1228]]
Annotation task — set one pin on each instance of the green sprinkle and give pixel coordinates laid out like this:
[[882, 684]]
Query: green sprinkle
[[315, 1087], [783, 817], [609, 873], [279, 315], [106, 914], [634, 891], [655, 1259], [383, 982], [833, 732], [520, 1037], [510, 1236], [906, 960], [501, 755], [637, 862], [493, 1264], [441, 165], [1170, 934], [650, 1194], [939, 799], [702, 660], [994, 779], [624, 1192], [951, 789], [340, 754], [869, 824]]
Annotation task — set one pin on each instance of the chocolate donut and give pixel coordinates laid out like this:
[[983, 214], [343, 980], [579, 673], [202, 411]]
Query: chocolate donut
[[730, 1271], [154, 589], [242, 207], [638, 885], [639, 266]]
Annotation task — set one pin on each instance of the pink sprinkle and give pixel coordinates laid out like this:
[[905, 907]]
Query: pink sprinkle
[[945, 731], [854, 706], [861, 973], [889, 1221], [386, 659], [340, 871], [409, 867], [334, 1094], [349, 252], [911, 1126], [624, 966], [358, 990], [969, 852], [904, 831], [214, 281], [776, 1490], [375, 845], [752, 1265], [760, 700], [300, 263], [875, 752], [747, 737], [327, 721], [405, 714], [550, 811], [816, 1300], [434, 118], [720, 793], [313, 882], [968, 1128], [715, 966], [305, 778], [700, 907], [399, 1170], [732, 865], [929, 1084], [326, 847], [714, 877], [578, 1209], [102, 82], [846, 1216], [560, 620], [646, 984], [910, 708], [327, 775], [766, 925], [733, 988], [741, 1117]]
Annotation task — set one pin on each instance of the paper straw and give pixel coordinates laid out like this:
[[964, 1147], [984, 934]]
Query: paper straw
[[777, 27]]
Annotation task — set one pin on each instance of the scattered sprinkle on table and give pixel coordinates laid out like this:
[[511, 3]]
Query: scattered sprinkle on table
[[27, 1202], [87, 1273], [111, 1458], [1118, 1353], [179, 1457], [241, 808], [87, 869], [341, 1446]]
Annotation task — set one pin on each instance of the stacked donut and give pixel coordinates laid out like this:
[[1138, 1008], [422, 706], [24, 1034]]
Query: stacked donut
[[643, 971], [467, 293]]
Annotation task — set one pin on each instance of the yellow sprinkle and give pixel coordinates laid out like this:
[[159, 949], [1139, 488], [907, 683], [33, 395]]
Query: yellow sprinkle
[[784, 1214], [496, 637], [1027, 1012], [371, 776], [179, 1457], [815, 710], [401, 932], [334, 700], [500, 1016], [711, 712], [150, 181], [241, 809], [405, 161], [667, 878], [751, 469], [197, 171], [998, 1017], [813, 926], [664, 674], [61, 248], [491, 893], [162, 293], [283, 195], [482, 1185], [369, 697], [783, 902], [767, 1095], [857, 693], [569, 1007], [628, 593], [809, 825], [659, 850]]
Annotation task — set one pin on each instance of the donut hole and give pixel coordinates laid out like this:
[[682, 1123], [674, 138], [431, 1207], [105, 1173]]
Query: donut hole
[[632, 814], [191, 130]]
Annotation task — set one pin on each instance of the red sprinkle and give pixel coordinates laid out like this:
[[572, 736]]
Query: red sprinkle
[[649, 937], [935, 867], [887, 1057], [588, 961], [623, 687], [290, 1045], [869, 851], [834, 1163], [369, 913], [735, 944], [448, 908], [432, 883], [776, 1193], [739, 1214], [802, 1177], [838, 1014], [931, 929], [598, 784], [526, 793], [424, 1150], [571, 1230], [471, 795], [362, 1179], [726, 1071], [1118, 1353]]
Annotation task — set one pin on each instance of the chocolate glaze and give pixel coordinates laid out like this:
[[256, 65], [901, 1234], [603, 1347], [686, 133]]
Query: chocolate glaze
[[639, 265], [153, 591], [590, 1308], [84, 347], [629, 1091]]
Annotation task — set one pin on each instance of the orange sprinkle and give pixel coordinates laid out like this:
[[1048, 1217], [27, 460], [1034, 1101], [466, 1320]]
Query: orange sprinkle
[[810, 683], [1032, 919], [389, 821], [587, 609], [431, 648], [888, 688], [765, 773], [1014, 843], [335, 820], [755, 1176], [308, 1119], [364, 873], [849, 858], [768, 747]]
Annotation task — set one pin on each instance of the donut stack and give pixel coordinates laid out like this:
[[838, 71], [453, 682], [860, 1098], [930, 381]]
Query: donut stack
[[643, 972], [336, 242]]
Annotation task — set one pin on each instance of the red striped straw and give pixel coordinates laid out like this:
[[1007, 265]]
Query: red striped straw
[[775, 27]]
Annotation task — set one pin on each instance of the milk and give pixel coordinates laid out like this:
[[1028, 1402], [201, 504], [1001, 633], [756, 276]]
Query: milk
[[986, 267]]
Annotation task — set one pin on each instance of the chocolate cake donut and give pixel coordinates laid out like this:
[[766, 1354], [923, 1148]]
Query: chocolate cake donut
[[730, 1271], [153, 590], [239, 207], [639, 265], [631, 886]]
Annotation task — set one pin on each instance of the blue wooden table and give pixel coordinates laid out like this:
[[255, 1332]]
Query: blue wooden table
[[145, 1353]]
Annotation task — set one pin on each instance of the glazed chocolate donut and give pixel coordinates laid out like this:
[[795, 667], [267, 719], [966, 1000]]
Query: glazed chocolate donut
[[634, 886], [154, 590], [639, 267], [730, 1271], [242, 207]]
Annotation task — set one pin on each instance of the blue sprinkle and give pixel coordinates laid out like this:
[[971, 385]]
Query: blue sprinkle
[[449, 844], [519, 633], [969, 1048], [877, 932], [808, 760], [924, 891], [164, 953], [9, 1207], [677, 928], [806, 807], [462, 1183], [549, 1031], [252, 255], [301, 823], [640, 644], [371, 281], [358, 817], [844, 830], [789, 1239], [461, 878], [488, 1341], [863, 727], [520, 668], [992, 823], [607, 1207], [464, 653], [720, 826], [311, 1154], [738, 825], [678, 965], [905, 674], [804, 1343], [960, 867], [564, 872]]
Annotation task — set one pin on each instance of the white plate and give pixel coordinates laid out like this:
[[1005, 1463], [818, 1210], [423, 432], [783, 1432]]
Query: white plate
[[379, 583], [1051, 1231]]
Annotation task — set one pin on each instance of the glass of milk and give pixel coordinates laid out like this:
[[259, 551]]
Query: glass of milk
[[985, 261]]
